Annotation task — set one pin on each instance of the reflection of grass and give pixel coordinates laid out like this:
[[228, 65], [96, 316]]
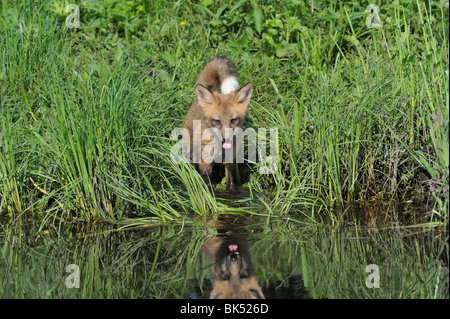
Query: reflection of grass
[[406, 275], [86, 115], [168, 262], [148, 263], [333, 263]]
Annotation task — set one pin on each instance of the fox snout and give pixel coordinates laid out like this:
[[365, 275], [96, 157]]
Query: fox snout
[[227, 140], [234, 254]]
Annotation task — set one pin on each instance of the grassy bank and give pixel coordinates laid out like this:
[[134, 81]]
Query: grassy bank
[[86, 114]]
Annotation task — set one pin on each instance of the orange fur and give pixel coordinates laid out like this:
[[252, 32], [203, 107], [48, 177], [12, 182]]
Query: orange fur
[[234, 277], [217, 110]]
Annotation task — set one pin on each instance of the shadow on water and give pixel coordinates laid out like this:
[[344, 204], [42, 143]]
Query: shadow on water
[[236, 256]]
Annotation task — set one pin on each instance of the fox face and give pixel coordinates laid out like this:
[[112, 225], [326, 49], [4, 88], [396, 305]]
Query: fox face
[[234, 275], [224, 112]]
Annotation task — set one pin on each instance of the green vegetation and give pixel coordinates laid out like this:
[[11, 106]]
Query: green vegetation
[[168, 262], [86, 114]]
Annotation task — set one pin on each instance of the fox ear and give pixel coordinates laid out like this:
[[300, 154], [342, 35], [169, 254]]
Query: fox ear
[[204, 96], [244, 94]]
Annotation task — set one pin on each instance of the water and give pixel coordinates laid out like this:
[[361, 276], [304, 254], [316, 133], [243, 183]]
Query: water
[[235, 256]]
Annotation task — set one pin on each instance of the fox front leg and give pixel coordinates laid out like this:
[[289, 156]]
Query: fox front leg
[[229, 177], [205, 172]]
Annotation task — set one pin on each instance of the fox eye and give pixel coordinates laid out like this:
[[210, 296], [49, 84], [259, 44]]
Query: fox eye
[[215, 122], [225, 276], [235, 121], [244, 274]]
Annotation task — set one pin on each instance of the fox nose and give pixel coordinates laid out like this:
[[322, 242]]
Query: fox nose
[[227, 135], [227, 139]]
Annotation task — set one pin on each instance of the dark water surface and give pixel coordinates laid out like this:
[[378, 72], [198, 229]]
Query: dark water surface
[[232, 257]]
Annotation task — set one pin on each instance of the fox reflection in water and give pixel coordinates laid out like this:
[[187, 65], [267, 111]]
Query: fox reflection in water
[[231, 265]]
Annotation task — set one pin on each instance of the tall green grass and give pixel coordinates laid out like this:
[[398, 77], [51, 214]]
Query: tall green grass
[[86, 114]]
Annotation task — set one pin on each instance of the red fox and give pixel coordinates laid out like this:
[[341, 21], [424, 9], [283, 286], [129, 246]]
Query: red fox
[[224, 111], [232, 267]]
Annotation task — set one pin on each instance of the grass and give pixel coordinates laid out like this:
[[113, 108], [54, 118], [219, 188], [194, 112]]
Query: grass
[[86, 114]]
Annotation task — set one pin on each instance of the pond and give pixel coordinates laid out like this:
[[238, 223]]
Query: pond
[[233, 256]]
